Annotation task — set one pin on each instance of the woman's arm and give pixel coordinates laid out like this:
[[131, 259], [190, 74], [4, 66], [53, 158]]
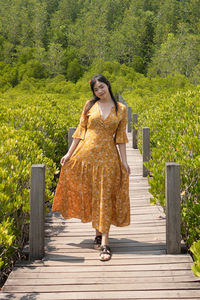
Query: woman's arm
[[122, 151], [73, 146]]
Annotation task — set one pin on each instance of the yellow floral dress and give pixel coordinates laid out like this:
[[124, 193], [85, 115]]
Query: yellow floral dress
[[94, 185]]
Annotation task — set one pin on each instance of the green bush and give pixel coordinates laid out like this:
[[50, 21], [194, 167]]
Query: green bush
[[74, 70], [33, 131], [19, 152], [195, 249]]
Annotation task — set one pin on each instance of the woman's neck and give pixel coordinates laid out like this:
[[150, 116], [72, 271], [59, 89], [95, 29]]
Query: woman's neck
[[105, 100]]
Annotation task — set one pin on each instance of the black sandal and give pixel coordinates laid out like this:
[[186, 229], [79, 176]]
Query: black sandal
[[97, 242], [105, 249]]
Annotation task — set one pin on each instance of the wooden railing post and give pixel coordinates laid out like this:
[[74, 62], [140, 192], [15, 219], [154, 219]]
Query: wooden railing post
[[146, 149], [70, 133], [129, 118], [37, 200], [173, 208], [135, 119]]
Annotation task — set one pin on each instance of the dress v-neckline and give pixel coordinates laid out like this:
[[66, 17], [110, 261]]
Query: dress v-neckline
[[101, 114]]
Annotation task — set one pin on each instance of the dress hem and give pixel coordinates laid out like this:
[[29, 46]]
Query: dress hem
[[90, 220]]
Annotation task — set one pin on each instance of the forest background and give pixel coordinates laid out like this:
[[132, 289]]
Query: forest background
[[49, 50], [44, 38]]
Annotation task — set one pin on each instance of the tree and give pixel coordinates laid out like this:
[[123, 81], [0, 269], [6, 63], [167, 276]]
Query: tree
[[56, 59], [127, 41], [179, 54], [89, 34], [65, 15], [74, 70], [40, 24], [167, 19]]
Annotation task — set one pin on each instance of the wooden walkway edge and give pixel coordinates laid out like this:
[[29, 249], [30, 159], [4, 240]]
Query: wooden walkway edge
[[139, 268]]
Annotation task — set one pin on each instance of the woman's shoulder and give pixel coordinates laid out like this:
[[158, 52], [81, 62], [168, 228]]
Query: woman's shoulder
[[87, 106], [121, 106], [87, 102]]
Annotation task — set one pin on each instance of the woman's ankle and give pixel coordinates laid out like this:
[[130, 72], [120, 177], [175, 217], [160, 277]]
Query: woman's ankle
[[105, 240]]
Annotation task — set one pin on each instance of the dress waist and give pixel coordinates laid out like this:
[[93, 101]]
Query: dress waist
[[100, 136]]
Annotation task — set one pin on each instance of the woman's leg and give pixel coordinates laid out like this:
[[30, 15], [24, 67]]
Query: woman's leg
[[98, 233], [97, 240], [105, 239]]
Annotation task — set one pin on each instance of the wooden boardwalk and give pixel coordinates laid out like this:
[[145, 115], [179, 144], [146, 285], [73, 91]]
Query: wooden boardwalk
[[139, 268]]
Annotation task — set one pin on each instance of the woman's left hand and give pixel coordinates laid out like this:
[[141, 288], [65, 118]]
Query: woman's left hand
[[127, 168]]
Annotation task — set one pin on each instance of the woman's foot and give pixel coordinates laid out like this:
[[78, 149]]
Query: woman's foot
[[105, 253], [105, 249]]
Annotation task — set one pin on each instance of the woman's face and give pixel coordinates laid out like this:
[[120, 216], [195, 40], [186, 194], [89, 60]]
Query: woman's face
[[101, 89]]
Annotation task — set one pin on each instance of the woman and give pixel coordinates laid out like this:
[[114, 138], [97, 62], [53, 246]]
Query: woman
[[94, 180]]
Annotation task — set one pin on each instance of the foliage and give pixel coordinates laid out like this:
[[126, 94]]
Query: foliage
[[151, 36], [19, 152], [33, 131], [179, 54], [74, 70], [195, 249]]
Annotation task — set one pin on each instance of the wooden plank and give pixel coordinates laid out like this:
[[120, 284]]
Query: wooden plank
[[135, 219], [65, 233], [134, 222], [115, 233], [139, 217], [66, 261], [97, 280], [105, 267], [157, 220], [130, 229], [118, 242], [123, 274], [82, 252], [156, 244], [62, 260], [126, 247], [173, 294], [85, 246], [145, 286], [116, 256]]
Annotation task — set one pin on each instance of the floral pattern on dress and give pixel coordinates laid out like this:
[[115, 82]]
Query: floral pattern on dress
[[94, 185]]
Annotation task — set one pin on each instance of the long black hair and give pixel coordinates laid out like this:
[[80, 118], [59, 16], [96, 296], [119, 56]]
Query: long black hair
[[103, 79]]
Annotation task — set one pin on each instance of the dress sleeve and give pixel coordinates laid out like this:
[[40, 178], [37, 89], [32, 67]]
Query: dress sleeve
[[121, 136], [82, 126]]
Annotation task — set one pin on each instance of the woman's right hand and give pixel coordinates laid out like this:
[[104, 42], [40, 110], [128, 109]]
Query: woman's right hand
[[65, 158]]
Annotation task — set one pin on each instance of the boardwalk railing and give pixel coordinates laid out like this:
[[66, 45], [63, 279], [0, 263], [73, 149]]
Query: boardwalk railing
[[172, 190], [173, 211], [36, 229]]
